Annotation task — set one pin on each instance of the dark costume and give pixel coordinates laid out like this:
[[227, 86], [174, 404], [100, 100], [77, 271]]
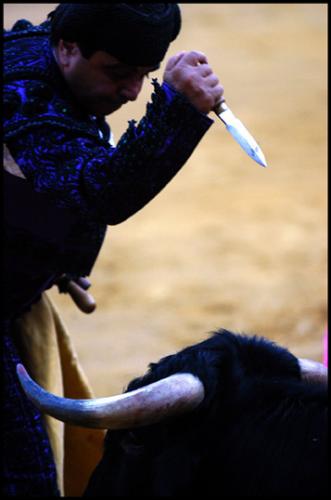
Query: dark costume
[[55, 220]]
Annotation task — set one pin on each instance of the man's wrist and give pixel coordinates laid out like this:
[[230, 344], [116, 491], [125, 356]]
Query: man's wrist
[[174, 95]]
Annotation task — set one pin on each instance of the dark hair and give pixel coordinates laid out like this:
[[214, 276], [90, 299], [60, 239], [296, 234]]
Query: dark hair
[[137, 34]]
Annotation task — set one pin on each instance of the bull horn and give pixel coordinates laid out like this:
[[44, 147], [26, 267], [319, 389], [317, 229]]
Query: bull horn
[[149, 404], [313, 371]]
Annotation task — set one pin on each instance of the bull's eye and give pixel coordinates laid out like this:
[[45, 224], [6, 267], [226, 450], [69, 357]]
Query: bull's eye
[[132, 444]]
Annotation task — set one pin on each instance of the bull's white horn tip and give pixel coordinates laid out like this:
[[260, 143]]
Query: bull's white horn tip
[[20, 370]]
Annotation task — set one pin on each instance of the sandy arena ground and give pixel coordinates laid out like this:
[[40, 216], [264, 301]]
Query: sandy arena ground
[[227, 243]]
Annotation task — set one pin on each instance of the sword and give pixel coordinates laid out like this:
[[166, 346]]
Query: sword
[[240, 133]]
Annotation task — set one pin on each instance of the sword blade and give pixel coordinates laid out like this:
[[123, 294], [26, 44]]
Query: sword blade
[[240, 134]]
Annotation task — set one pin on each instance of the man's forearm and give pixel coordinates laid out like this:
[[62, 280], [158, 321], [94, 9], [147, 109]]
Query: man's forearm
[[150, 154]]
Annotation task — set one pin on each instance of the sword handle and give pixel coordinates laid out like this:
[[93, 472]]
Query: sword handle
[[220, 107]]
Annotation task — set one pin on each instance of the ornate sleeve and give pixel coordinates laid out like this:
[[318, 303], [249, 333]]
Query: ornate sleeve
[[113, 183]]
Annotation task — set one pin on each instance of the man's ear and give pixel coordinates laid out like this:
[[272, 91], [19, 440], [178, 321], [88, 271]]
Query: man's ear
[[66, 52]]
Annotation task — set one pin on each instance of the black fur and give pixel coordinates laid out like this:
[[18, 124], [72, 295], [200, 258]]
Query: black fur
[[261, 430]]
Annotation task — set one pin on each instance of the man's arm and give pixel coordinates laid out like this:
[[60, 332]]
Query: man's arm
[[114, 183]]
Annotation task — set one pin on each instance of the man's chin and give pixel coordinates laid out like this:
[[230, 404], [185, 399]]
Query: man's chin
[[102, 110], [111, 110], [107, 110]]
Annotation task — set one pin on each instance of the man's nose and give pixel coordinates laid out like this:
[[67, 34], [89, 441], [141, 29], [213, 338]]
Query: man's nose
[[131, 89]]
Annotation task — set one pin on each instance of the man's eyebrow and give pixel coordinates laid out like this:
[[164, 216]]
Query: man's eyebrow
[[115, 65], [119, 65], [154, 68]]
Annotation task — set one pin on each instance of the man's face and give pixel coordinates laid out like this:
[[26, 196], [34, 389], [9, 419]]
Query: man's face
[[101, 84]]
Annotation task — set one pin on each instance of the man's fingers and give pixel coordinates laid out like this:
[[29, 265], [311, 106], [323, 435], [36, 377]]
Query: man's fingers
[[190, 74], [195, 57], [174, 60], [211, 80], [218, 92], [192, 58], [204, 69]]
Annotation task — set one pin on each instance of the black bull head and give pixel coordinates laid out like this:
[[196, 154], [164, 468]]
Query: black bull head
[[234, 412]]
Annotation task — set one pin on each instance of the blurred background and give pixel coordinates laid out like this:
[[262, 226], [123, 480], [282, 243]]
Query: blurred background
[[227, 243]]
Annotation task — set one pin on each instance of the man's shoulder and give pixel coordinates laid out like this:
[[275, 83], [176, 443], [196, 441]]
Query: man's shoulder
[[36, 103], [35, 94], [25, 29], [26, 50]]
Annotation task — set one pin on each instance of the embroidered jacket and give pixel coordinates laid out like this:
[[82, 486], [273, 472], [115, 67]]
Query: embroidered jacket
[[67, 160]]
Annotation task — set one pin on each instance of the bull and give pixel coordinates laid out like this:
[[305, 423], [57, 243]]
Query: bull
[[232, 415]]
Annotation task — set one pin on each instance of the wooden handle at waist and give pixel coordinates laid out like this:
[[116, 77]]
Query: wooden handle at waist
[[82, 299]]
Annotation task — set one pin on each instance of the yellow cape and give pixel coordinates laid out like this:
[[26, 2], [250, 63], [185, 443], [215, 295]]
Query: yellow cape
[[49, 356]]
